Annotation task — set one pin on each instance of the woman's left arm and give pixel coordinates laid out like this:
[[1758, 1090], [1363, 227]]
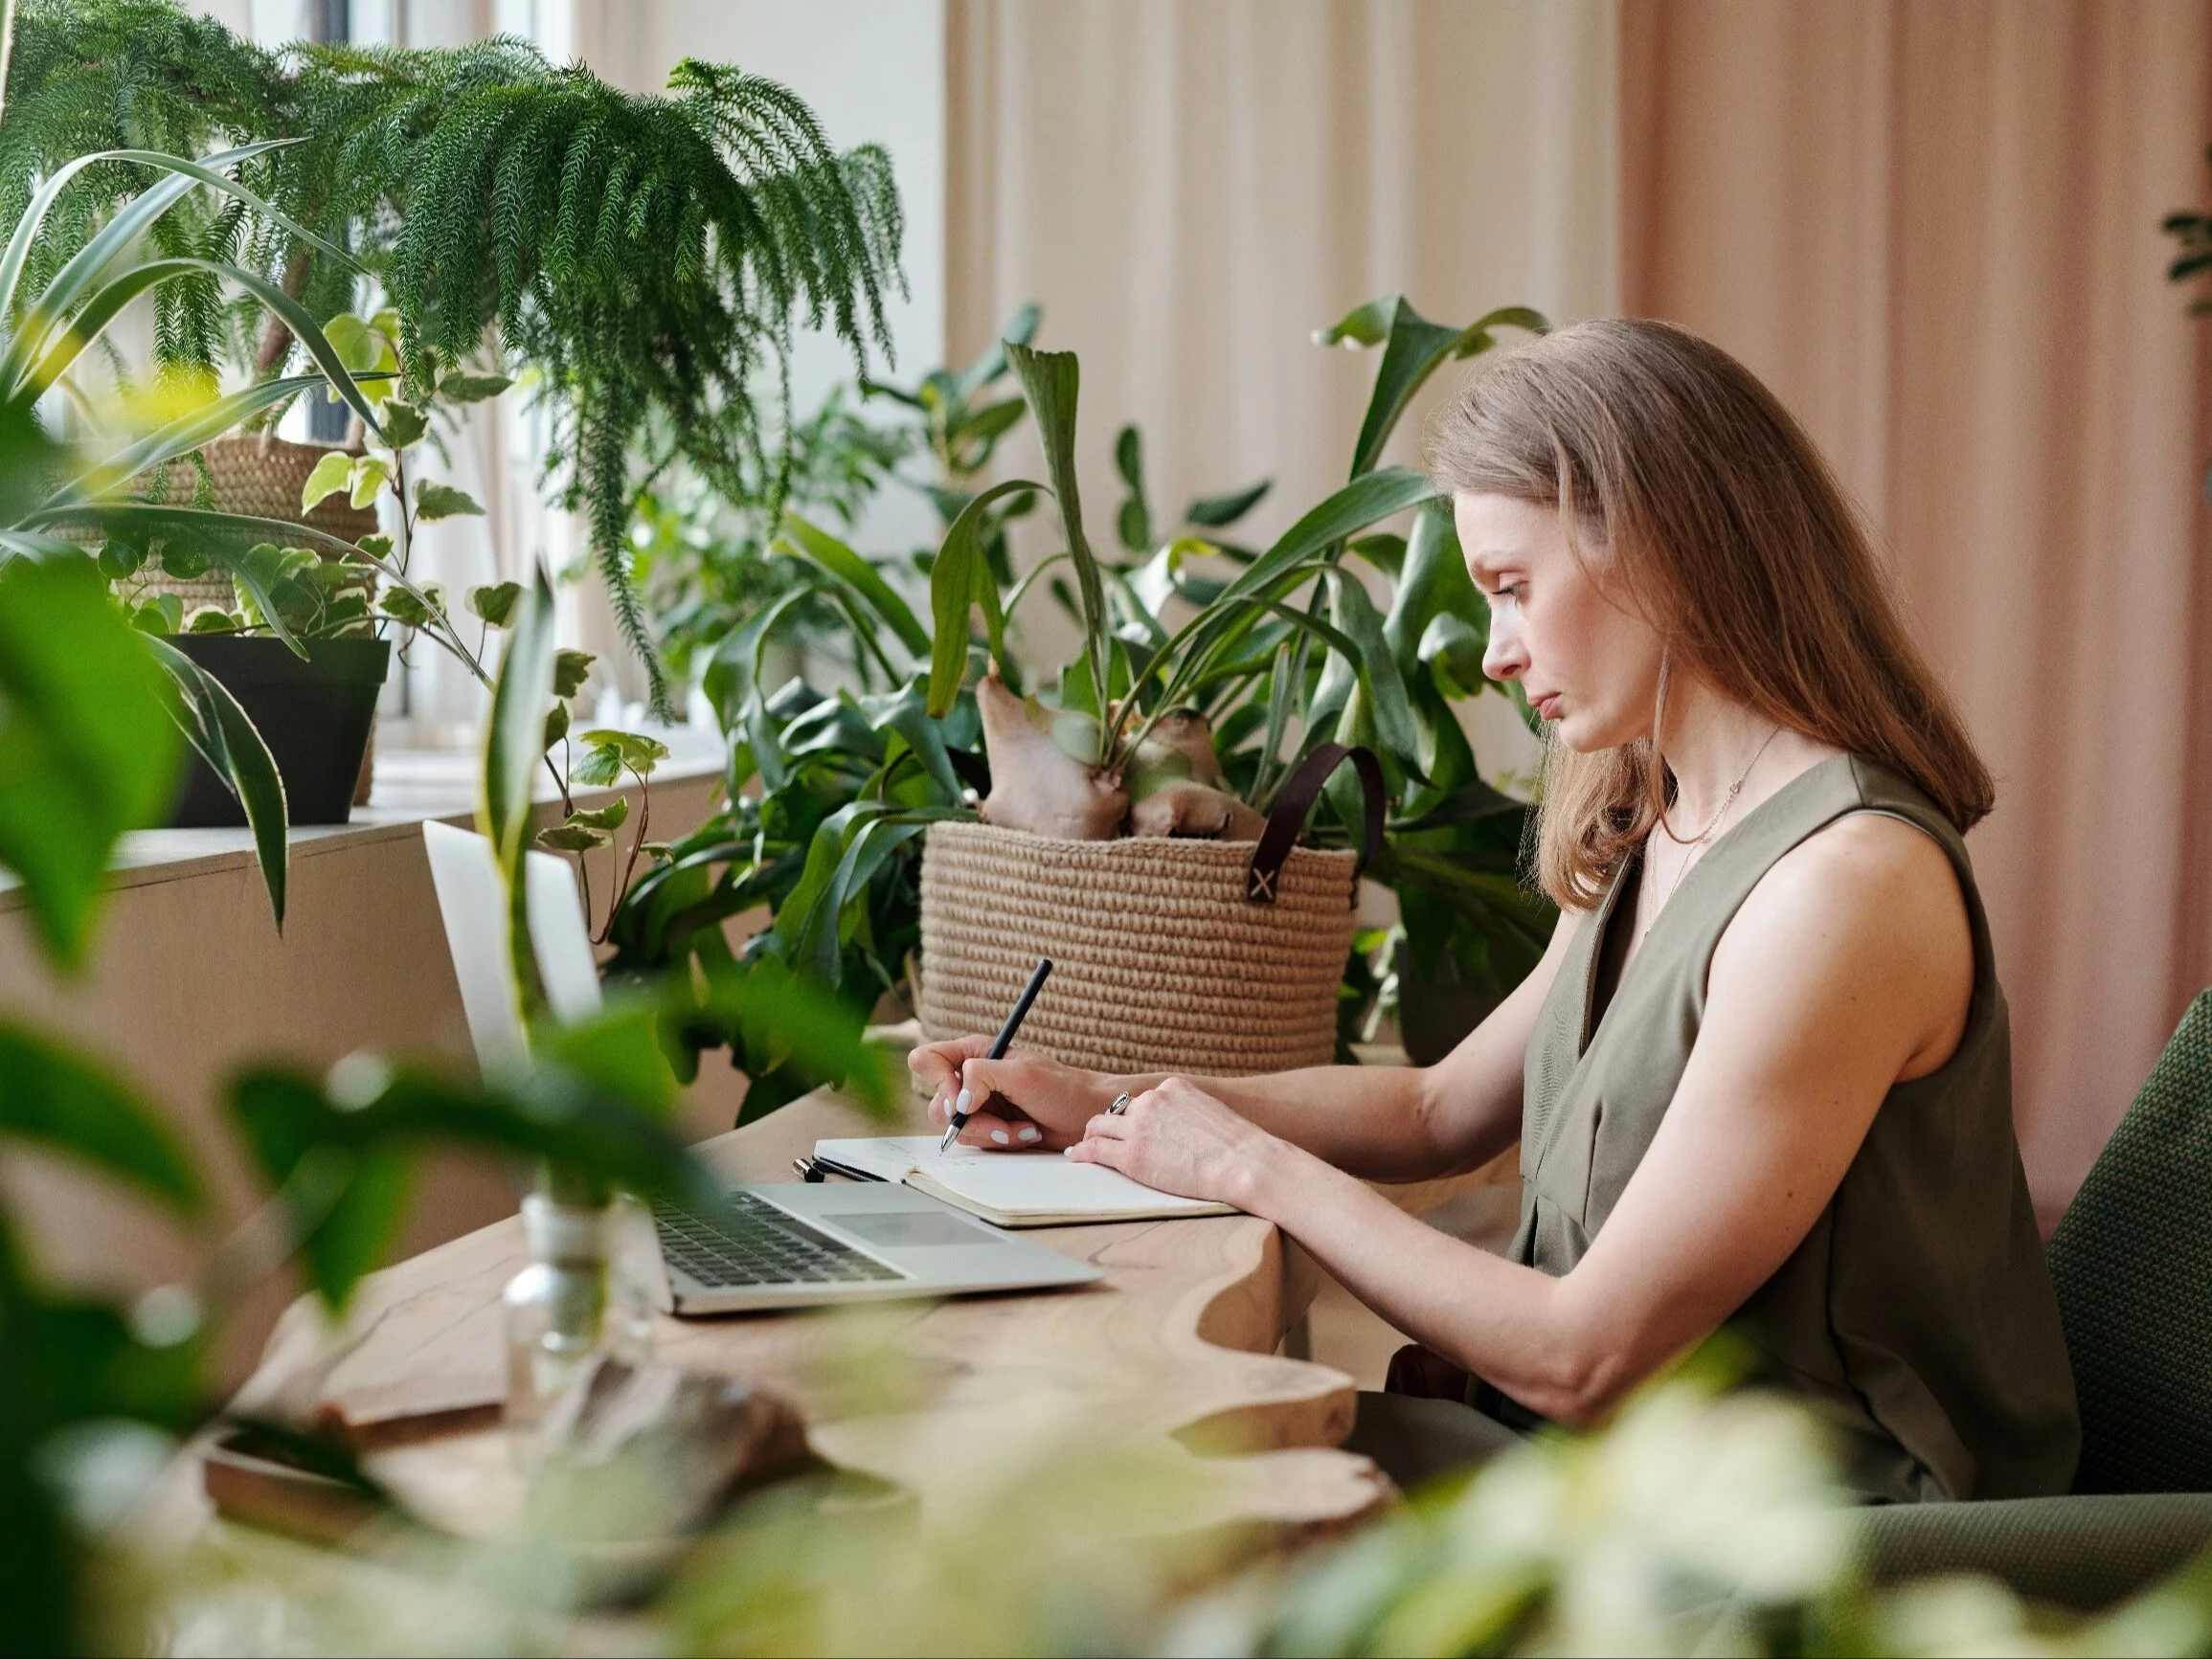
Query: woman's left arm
[[1849, 967]]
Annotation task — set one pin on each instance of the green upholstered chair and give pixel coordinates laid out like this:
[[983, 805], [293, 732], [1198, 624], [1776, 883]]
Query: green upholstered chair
[[2131, 1262]]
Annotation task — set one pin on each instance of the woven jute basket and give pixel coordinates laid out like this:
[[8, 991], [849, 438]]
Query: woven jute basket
[[262, 477], [1164, 959]]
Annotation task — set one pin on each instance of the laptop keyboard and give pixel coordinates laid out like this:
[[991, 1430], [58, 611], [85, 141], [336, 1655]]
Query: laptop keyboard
[[753, 1243]]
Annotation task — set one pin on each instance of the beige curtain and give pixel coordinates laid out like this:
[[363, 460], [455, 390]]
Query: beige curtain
[[1191, 189], [1933, 229]]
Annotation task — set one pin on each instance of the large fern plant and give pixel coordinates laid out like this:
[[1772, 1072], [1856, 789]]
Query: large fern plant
[[647, 256]]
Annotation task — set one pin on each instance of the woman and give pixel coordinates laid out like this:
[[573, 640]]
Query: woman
[[1762, 1074]]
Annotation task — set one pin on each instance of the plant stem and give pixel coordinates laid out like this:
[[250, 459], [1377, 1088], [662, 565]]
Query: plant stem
[[637, 843]]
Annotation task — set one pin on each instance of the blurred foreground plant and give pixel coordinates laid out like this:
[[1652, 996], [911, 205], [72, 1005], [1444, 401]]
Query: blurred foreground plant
[[93, 1395]]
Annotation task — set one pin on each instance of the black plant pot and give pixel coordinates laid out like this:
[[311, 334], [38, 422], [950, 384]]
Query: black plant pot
[[314, 715]]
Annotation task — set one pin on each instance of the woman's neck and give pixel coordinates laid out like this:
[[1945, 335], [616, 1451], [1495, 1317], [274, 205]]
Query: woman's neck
[[1713, 745]]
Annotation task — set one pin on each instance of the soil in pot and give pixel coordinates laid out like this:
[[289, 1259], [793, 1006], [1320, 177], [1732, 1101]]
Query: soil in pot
[[314, 715]]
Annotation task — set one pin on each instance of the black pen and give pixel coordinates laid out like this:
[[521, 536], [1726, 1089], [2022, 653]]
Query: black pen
[[956, 1118]]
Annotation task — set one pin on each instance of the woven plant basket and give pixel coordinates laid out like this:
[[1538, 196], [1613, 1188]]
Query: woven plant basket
[[262, 477], [1163, 957]]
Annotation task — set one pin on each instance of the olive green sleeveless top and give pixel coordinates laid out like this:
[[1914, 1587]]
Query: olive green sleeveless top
[[1917, 1315]]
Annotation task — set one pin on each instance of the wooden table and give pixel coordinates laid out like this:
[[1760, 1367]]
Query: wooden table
[[1174, 1352]]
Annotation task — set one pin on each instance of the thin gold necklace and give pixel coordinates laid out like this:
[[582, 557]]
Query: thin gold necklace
[[1711, 824]]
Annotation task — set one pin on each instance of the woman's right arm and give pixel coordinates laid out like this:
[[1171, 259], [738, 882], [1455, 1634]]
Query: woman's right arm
[[1381, 1123]]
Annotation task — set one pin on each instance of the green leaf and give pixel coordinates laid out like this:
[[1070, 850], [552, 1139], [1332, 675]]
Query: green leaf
[[330, 475], [163, 614], [613, 816], [600, 767], [512, 749], [227, 739], [495, 606], [557, 724], [358, 346], [210, 620], [64, 1102], [572, 838], [1449, 645], [1133, 523], [377, 545], [961, 578], [1215, 512], [906, 712], [87, 751], [1359, 504], [88, 266], [1412, 350], [639, 753], [854, 574], [182, 435], [1432, 582], [404, 424], [422, 608], [571, 668], [461, 387], [1354, 613], [369, 475], [775, 1012], [441, 500], [338, 1155], [120, 561], [1052, 382]]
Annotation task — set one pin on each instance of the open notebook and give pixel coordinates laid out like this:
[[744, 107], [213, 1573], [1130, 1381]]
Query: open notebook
[[1008, 1189]]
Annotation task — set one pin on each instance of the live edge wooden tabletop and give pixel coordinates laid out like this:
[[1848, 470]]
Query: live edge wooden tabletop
[[1176, 1347]]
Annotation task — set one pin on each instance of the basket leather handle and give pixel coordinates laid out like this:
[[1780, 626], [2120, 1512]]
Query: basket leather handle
[[1296, 799]]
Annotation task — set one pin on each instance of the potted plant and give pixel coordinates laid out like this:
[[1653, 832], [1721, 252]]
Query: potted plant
[[280, 706], [643, 256], [847, 785]]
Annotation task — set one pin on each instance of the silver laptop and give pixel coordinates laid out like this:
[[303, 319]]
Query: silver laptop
[[786, 1244]]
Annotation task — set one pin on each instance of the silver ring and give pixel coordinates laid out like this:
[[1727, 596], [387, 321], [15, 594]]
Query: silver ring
[[1120, 1104]]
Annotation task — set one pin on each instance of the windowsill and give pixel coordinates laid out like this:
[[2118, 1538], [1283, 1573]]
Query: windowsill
[[413, 786]]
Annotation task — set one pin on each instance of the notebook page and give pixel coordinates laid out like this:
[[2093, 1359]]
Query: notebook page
[[1014, 1183]]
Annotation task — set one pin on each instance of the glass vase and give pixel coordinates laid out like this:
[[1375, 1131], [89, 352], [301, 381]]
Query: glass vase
[[589, 1285]]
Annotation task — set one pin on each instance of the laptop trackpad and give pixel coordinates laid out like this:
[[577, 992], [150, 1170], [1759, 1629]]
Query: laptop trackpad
[[905, 1228]]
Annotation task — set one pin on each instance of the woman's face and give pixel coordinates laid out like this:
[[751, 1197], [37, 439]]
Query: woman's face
[[1589, 665]]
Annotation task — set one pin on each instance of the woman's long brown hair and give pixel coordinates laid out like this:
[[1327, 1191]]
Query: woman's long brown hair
[[1700, 501]]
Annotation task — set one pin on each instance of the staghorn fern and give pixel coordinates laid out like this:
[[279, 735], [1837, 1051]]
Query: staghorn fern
[[649, 255]]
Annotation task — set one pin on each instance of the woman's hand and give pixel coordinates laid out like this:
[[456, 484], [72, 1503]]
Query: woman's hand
[[1019, 1104], [1180, 1140]]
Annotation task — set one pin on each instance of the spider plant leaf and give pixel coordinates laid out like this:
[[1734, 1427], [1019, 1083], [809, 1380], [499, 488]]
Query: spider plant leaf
[[179, 437], [227, 739], [513, 745], [89, 263], [1052, 381], [959, 578], [849, 571]]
